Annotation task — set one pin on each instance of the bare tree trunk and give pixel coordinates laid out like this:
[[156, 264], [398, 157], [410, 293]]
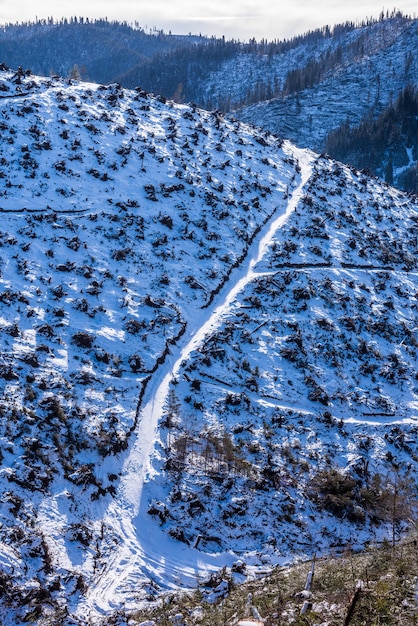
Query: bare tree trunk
[[352, 606]]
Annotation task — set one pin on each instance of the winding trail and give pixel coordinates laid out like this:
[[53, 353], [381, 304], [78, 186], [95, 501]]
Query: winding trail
[[144, 552]]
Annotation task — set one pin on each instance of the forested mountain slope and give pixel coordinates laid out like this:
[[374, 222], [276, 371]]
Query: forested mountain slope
[[357, 90], [95, 50], [386, 144], [323, 82]]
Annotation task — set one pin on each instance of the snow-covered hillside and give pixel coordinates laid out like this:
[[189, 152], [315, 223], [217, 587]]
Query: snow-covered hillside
[[200, 326], [362, 83], [310, 89], [122, 216], [313, 369], [327, 83]]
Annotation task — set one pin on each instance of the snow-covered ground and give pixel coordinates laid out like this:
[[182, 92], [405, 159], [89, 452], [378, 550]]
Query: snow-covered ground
[[199, 324], [143, 552], [364, 82]]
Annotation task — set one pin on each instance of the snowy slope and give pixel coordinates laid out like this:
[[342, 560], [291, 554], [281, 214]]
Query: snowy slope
[[196, 319], [122, 216], [360, 84], [328, 80], [313, 369]]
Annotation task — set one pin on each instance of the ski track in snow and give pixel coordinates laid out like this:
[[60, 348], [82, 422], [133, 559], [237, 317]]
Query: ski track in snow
[[145, 552]]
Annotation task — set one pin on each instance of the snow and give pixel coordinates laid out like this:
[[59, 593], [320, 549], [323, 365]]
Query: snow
[[143, 547], [364, 82], [158, 254]]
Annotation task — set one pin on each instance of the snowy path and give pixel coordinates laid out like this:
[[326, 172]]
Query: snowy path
[[144, 553]]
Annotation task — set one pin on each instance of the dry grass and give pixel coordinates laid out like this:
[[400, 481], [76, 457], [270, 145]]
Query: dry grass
[[388, 578]]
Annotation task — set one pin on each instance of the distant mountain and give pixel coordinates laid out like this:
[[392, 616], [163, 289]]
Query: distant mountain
[[309, 89], [208, 350], [96, 50], [386, 144], [375, 65]]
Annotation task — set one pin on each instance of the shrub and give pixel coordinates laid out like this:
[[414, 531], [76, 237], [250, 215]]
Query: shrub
[[135, 363], [333, 491], [83, 340]]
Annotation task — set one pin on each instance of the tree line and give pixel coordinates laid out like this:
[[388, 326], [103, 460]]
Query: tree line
[[386, 145]]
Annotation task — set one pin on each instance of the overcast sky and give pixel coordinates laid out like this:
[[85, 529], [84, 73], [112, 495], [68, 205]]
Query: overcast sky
[[238, 19]]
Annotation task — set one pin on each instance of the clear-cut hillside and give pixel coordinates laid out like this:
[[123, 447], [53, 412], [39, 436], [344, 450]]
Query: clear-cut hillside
[[374, 65], [288, 424], [357, 78], [122, 217], [208, 350], [312, 89]]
